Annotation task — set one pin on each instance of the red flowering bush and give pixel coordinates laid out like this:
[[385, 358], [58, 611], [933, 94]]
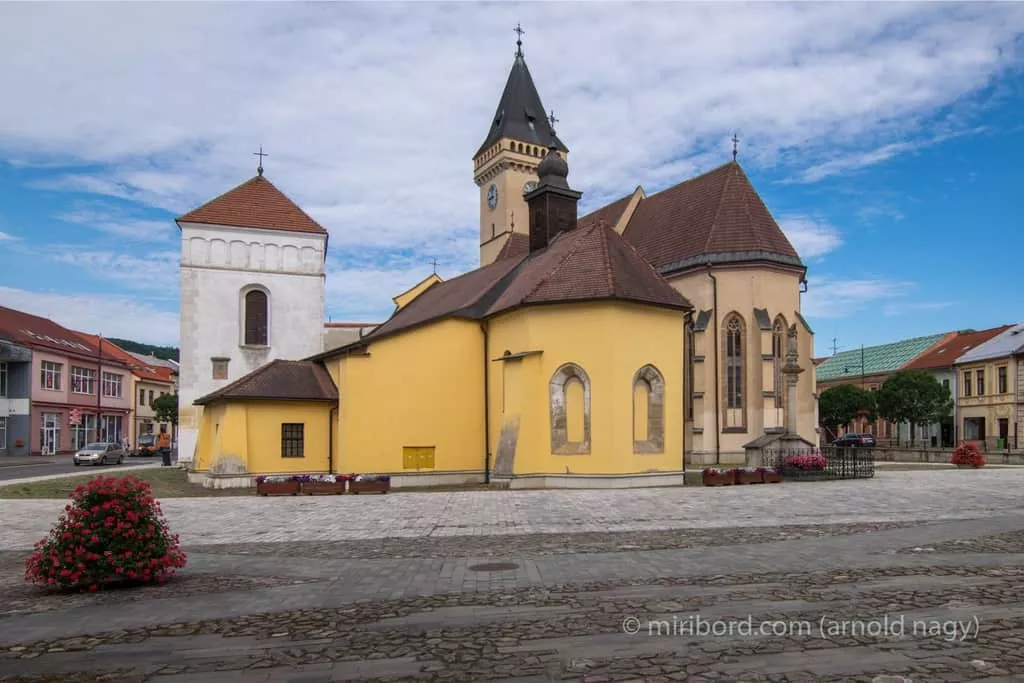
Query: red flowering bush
[[809, 461], [112, 530], [968, 454]]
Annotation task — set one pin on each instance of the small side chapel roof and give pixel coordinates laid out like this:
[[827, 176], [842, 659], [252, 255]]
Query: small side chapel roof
[[283, 380], [256, 203]]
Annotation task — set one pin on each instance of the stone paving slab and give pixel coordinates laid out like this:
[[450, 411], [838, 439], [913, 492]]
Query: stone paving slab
[[890, 496]]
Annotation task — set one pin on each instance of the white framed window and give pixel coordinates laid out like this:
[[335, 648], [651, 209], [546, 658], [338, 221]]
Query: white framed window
[[112, 385], [3, 378], [83, 380], [49, 375], [110, 429], [3, 432]]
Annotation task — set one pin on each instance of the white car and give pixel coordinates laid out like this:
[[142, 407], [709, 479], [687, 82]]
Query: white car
[[100, 454]]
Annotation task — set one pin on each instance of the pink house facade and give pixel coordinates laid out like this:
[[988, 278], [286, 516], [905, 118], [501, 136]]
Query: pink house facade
[[70, 373]]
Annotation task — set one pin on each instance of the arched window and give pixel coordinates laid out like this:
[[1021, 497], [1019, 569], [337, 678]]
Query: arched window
[[256, 316], [778, 359], [648, 411], [735, 376], [569, 392]]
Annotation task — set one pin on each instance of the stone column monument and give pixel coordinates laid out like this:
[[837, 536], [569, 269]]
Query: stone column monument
[[792, 373]]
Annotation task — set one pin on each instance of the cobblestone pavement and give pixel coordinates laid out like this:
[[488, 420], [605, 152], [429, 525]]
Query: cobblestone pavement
[[890, 496], [934, 600]]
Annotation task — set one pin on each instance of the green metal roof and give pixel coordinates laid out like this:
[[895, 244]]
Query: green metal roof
[[877, 359]]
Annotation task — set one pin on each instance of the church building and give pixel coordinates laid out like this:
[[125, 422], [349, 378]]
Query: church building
[[656, 334]]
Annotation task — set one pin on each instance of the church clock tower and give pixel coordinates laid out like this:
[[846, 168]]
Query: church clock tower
[[505, 166]]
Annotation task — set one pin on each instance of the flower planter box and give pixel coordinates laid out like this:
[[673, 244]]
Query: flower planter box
[[369, 486], [772, 477], [718, 479], [277, 488], [323, 488], [749, 478]]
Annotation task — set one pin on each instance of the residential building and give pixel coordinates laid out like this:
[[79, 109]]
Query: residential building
[[151, 360], [990, 396], [148, 382], [69, 373], [868, 367], [939, 361], [15, 398]]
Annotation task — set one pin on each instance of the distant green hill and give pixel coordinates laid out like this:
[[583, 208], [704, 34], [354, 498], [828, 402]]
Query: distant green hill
[[162, 352]]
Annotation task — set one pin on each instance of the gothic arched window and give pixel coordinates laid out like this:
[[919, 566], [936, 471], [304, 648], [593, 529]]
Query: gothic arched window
[[648, 411], [255, 318], [569, 392], [735, 375], [778, 358]]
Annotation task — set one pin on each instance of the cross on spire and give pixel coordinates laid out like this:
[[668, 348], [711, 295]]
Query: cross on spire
[[260, 154], [519, 39], [434, 263], [735, 146], [552, 120]]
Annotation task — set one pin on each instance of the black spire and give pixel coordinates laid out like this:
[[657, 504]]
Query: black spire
[[520, 113]]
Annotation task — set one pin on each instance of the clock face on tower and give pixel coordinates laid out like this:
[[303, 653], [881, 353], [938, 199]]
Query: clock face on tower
[[529, 187], [492, 197]]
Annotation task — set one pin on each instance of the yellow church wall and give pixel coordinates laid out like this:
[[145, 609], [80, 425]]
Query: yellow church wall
[[251, 431], [741, 290], [579, 334], [422, 388]]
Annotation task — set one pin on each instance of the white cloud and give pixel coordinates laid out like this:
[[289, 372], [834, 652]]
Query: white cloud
[[157, 271], [111, 316], [4, 236], [370, 112], [119, 225], [810, 237], [828, 297]]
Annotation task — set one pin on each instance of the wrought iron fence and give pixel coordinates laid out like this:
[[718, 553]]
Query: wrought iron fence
[[821, 464]]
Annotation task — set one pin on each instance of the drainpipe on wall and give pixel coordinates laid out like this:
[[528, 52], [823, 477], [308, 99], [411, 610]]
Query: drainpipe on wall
[[687, 375], [487, 410], [718, 402], [330, 439]]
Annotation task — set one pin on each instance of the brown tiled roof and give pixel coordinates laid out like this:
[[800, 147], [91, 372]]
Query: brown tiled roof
[[588, 263], [468, 296], [608, 214], [150, 373], [717, 216], [944, 354], [256, 203], [283, 380], [516, 246], [41, 333]]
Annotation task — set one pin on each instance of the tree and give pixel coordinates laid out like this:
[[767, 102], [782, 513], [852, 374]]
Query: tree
[[166, 409], [914, 396], [840, 405]]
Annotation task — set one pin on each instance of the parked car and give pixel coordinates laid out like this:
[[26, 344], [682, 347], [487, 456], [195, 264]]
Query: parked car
[[100, 454], [146, 445], [855, 440]]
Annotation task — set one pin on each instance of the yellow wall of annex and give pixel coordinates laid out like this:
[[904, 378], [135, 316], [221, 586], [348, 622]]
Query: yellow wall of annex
[[251, 431], [578, 333], [420, 388]]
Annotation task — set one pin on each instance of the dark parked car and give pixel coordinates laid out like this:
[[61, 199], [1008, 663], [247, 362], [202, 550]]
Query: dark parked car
[[855, 440]]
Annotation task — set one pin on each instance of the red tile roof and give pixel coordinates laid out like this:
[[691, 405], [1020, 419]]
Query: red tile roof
[[516, 246], [41, 333], [588, 263], [149, 373], [284, 380], [944, 354], [715, 214], [608, 214], [256, 203]]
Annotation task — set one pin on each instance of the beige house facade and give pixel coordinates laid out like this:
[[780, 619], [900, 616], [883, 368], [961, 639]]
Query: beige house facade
[[990, 396]]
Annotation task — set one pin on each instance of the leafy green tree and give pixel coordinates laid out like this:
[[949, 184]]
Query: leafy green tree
[[841, 404], [915, 397], [166, 409]]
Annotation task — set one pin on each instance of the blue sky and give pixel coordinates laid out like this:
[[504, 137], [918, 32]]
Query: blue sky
[[886, 140]]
